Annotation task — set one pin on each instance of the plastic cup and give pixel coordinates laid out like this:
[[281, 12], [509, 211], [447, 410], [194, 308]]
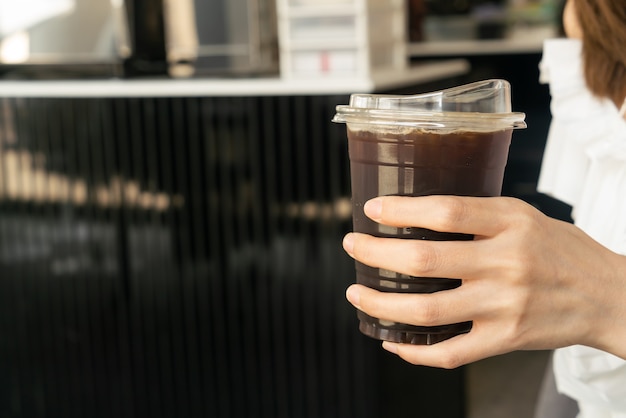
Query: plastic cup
[[451, 142]]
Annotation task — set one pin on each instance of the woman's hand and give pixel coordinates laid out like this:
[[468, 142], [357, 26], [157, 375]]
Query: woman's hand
[[529, 281]]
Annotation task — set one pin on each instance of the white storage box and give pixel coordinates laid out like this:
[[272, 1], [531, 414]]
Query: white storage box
[[341, 38]]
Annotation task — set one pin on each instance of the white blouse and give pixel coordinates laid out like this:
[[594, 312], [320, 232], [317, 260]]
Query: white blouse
[[584, 165]]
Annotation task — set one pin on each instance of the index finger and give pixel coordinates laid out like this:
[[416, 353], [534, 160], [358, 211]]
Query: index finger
[[484, 216]]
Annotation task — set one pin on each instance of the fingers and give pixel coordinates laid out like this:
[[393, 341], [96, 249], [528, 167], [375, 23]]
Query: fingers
[[479, 343], [434, 309], [483, 217], [487, 337], [419, 258], [470, 215], [441, 308], [491, 266]]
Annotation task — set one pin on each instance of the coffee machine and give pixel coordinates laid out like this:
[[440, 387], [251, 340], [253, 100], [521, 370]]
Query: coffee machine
[[139, 38], [63, 38]]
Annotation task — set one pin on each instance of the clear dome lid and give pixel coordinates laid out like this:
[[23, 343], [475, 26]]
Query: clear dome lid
[[483, 106]]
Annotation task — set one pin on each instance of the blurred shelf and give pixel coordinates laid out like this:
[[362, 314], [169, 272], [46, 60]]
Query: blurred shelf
[[475, 47]]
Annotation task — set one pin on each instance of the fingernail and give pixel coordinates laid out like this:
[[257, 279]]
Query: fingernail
[[391, 347], [348, 243], [374, 208], [354, 296]]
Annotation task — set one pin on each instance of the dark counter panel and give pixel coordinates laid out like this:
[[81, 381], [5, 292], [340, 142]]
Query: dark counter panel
[[182, 258]]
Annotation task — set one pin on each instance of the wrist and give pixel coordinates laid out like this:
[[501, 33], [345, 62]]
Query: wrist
[[611, 323]]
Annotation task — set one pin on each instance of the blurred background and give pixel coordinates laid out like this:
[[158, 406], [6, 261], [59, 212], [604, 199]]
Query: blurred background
[[173, 198]]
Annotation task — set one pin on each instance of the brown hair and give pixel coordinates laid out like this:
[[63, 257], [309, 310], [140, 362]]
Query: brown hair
[[603, 24]]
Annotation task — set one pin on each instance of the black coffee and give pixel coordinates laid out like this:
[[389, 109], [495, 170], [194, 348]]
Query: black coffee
[[412, 162]]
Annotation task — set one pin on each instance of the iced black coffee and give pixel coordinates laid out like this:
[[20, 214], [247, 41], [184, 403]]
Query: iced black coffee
[[453, 142]]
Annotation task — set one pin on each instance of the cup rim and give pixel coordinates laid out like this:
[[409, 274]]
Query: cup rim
[[430, 120]]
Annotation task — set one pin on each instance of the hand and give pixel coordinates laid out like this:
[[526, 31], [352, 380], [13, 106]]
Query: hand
[[529, 281]]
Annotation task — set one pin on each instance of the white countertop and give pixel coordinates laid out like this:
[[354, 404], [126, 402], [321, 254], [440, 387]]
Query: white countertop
[[212, 87]]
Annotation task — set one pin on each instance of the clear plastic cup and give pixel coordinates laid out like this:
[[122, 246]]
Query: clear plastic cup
[[450, 142]]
